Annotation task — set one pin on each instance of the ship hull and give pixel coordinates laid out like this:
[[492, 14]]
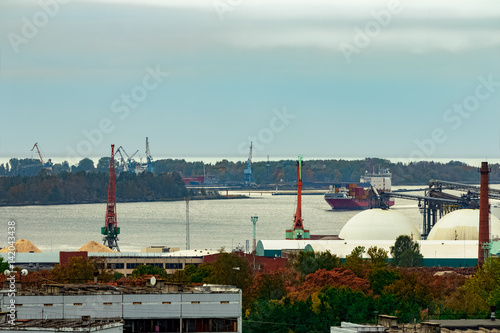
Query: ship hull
[[352, 204]]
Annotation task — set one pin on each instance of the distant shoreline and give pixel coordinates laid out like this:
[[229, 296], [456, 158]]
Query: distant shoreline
[[222, 197], [476, 162]]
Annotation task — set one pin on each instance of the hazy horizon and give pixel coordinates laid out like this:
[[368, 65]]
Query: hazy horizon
[[396, 79], [212, 160]]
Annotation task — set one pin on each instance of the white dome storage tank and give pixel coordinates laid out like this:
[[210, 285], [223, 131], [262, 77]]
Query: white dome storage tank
[[462, 224], [495, 210], [378, 224]]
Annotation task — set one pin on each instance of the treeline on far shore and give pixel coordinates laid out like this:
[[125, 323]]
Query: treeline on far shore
[[274, 172], [89, 187]]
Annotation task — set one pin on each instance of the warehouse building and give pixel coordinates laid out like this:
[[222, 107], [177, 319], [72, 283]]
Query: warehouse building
[[155, 308], [121, 262], [54, 326]]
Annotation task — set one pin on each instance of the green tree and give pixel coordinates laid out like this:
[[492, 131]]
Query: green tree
[[148, 270], [406, 253], [192, 273], [230, 269], [467, 303], [486, 282], [308, 262], [3, 265], [354, 261], [345, 304], [282, 317], [86, 165], [327, 261], [103, 164], [381, 277], [378, 256]]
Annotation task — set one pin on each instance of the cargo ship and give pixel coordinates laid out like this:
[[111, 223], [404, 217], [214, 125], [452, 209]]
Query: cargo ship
[[352, 197]]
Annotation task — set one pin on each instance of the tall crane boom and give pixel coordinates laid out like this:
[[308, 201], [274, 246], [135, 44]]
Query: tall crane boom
[[47, 166], [122, 160], [149, 166], [128, 165]]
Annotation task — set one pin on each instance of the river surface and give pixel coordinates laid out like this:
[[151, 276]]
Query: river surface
[[213, 223]]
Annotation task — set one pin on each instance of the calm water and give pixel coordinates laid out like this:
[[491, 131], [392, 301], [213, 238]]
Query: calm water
[[213, 223]]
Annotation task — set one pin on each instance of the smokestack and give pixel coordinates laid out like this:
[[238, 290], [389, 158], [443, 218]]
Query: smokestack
[[484, 215]]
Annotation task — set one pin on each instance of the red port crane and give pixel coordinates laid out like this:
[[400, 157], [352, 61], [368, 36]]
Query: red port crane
[[111, 229], [298, 231]]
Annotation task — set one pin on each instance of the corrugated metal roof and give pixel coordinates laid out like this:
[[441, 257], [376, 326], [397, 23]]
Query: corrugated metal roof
[[53, 257]]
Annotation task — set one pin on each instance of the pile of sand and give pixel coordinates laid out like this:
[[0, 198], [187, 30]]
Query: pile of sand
[[94, 247], [22, 246]]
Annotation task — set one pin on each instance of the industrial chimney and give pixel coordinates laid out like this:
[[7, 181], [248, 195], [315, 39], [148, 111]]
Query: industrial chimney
[[484, 215]]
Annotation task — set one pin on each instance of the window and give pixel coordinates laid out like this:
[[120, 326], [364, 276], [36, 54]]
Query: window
[[137, 303], [195, 302], [116, 265], [166, 302], [173, 266], [132, 265], [156, 264], [47, 305], [108, 303], [77, 304], [224, 302], [18, 305]]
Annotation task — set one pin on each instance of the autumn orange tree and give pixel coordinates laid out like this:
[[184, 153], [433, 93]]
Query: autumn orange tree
[[415, 292], [270, 286], [338, 277], [81, 270]]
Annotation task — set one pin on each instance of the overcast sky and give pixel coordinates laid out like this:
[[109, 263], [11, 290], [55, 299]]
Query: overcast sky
[[407, 80]]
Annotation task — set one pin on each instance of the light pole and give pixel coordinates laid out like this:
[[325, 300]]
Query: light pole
[[254, 220], [188, 246]]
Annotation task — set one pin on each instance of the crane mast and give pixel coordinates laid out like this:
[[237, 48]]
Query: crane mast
[[298, 231], [111, 229], [248, 171]]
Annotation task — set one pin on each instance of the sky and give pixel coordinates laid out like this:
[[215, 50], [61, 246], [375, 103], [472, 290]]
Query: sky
[[404, 80]]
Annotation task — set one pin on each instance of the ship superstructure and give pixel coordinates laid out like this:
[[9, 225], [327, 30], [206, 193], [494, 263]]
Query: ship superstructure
[[352, 197]]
